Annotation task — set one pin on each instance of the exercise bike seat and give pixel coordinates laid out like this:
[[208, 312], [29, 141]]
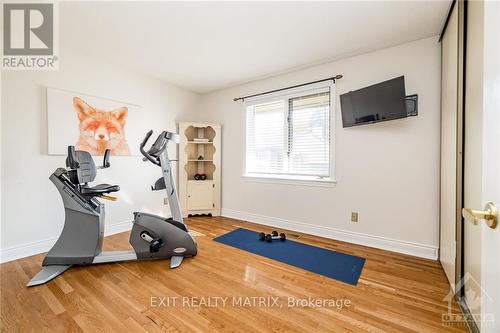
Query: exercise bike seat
[[99, 189]]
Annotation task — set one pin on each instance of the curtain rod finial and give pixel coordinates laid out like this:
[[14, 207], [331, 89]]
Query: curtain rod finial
[[338, 76]]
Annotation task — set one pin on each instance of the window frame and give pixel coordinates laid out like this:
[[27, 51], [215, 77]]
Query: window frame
[[285, 96]]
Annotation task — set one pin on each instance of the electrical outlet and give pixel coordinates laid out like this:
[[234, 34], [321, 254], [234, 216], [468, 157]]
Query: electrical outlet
[[165, 201], [354, 216]]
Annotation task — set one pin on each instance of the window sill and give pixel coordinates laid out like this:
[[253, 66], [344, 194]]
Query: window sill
[[302, 181]]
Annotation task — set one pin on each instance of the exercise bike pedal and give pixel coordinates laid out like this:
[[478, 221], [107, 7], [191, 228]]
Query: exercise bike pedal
[[155, 244]]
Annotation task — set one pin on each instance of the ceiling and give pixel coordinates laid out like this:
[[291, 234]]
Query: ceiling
[[205, 46]]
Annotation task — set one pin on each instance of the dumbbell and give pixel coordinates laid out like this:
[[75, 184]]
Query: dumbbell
[[272, 236], [200, 176]]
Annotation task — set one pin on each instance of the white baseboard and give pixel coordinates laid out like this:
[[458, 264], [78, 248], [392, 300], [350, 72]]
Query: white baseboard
[[29, 249], [414, 249]]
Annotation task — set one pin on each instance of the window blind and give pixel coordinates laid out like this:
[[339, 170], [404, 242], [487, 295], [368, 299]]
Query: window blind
[[309, 135], [289, 136], [266, 138]]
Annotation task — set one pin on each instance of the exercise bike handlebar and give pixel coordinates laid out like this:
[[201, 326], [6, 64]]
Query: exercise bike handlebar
[[143, 152]]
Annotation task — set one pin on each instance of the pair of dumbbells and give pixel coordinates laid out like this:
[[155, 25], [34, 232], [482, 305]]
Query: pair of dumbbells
[[272, 236], [200, 176]]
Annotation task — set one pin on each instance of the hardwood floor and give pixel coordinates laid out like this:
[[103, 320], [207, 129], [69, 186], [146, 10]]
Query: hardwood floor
[[395, 293]]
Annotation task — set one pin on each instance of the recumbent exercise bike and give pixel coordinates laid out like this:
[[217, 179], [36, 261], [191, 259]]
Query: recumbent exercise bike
[[80, 243]]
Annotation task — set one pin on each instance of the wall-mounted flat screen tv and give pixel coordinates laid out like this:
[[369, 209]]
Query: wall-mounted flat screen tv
[[379, 102]]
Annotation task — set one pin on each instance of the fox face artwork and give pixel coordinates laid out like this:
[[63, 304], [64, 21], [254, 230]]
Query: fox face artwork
[[101, 129]]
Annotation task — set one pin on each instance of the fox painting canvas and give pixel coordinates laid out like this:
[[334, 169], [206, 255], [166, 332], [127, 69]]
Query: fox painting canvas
[[91, 124], [101, 129]]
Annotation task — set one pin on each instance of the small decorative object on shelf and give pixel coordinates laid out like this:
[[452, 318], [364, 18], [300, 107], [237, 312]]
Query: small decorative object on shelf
[[199, 164]]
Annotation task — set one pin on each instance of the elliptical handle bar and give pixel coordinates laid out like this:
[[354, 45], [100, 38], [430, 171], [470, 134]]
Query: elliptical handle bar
[[143, 152]]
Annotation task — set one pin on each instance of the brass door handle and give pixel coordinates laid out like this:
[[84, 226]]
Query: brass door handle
[[489, 214]]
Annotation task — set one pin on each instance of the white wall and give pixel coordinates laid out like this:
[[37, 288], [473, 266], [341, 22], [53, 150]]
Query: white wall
[[31, 212], [388, 172]]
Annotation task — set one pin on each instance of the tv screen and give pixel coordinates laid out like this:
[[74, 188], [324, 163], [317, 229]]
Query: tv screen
[[380, 102]]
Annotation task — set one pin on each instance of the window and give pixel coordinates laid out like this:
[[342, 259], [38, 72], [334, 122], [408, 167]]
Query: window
[[289, 136]]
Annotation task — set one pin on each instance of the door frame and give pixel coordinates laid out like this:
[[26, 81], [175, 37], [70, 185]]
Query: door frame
[[460, 142], [460, 162], [462, 62]]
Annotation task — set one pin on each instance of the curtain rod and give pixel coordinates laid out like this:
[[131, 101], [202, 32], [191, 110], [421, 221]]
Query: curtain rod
[[336, 77]]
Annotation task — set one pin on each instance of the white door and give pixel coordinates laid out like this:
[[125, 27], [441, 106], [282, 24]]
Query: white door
[[481, 246], [200, 195]]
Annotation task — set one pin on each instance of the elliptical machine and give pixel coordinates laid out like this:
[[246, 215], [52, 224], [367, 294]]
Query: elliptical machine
[[80, 242]]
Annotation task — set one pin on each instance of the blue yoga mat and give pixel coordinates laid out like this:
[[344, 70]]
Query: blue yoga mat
[[339, 266]]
